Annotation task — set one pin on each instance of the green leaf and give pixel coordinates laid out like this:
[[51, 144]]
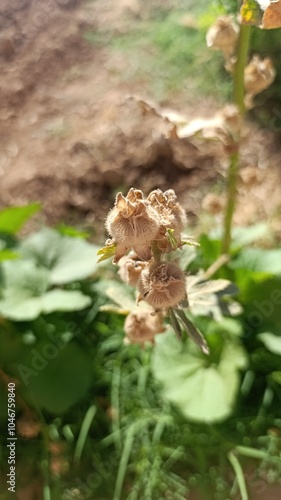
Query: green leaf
[[22, 278], [272, 342], [56, 376], [107, 252], [204, 392], [67, 258], [209, 251], [64, 300], [25, 295], [8, 255], [226, 327], [258, 260], [12, 219], [276, 377], [72, 231], [243, 236]]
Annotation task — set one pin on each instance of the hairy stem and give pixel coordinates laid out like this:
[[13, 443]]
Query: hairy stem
[[238, 99]]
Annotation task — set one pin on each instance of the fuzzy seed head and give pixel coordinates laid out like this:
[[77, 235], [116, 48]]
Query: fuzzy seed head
[[132, 223], [162, 285], [172, 216], [142, 326]]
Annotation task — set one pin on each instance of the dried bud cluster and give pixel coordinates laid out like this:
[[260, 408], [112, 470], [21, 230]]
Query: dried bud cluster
[[132, 223], [143, 231], [135, 222]]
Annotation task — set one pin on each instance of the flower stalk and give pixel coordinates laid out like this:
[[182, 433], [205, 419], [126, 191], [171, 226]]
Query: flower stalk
[[238, 99]]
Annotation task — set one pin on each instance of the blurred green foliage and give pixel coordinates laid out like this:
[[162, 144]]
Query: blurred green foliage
[[108, 420]]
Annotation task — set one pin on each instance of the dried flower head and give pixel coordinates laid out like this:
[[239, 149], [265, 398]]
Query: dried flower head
[[173, 218], [258, 76], [222, 35], [142, 326], [132, 223], [162, 285], [130, 268]]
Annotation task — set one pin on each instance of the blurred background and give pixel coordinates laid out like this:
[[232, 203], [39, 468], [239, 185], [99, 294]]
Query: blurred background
[[73, 127], [89, 90]]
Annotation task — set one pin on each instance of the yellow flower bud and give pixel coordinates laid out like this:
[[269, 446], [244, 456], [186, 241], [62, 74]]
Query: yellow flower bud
[[162, 285]]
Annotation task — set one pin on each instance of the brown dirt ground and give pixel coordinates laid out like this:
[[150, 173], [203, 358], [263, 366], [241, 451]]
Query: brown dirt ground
[[71, 137]]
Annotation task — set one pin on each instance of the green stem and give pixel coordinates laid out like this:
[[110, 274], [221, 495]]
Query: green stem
[[242, 58], [238, 99]]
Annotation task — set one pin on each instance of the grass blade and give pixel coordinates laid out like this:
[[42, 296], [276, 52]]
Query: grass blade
[[129, 441], [85, 427], [239, 475]]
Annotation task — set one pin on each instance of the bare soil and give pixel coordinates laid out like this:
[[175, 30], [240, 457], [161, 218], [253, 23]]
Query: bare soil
[[71, 135]]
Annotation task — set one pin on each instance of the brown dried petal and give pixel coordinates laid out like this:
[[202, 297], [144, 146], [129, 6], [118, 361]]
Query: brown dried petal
[[162, 285]]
